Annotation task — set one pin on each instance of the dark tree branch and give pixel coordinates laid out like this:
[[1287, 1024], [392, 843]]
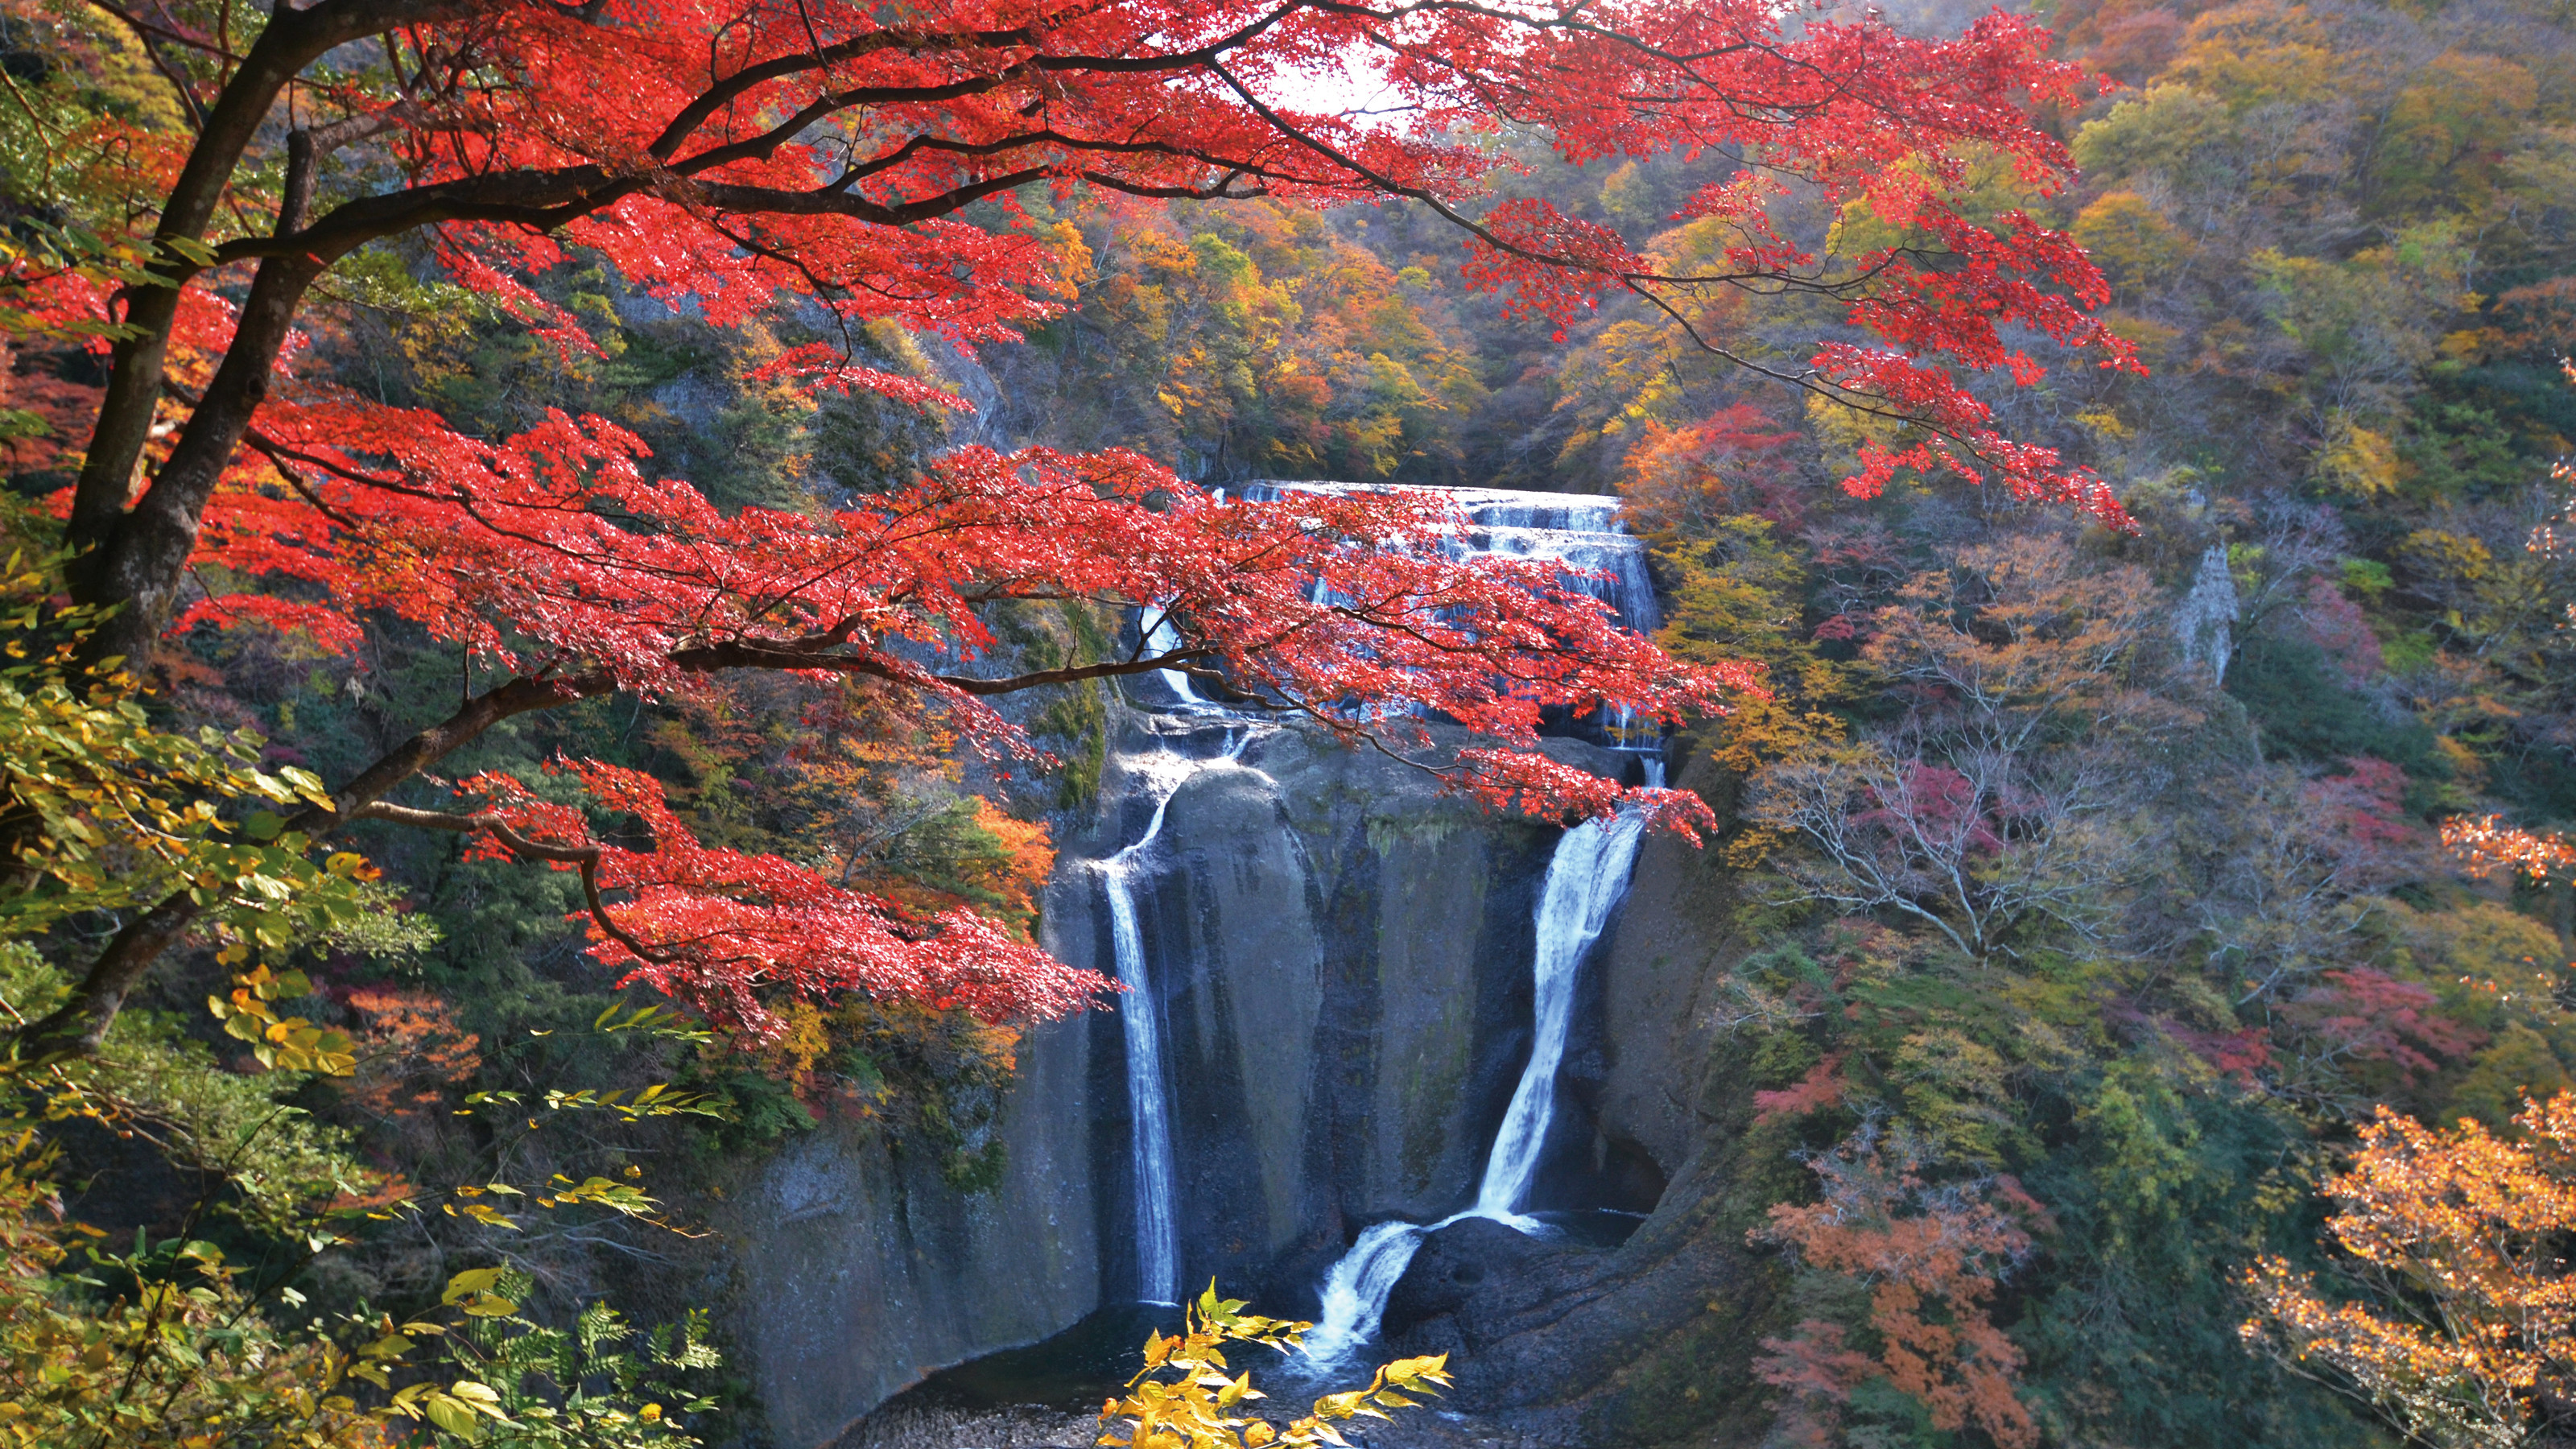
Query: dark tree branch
[[292, 40], [584, 858], [80, 1025]]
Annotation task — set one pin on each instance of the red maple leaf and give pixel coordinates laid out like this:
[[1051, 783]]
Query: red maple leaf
[[731, 156]]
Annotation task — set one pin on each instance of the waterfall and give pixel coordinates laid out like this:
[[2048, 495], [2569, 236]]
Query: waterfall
[[1149, 1150], [1585, 879], [1580, 532], [1160, 639], [1149, 1095], [1356, 1290]]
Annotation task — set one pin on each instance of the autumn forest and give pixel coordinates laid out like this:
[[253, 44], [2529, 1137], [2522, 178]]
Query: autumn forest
[[1669, 722]]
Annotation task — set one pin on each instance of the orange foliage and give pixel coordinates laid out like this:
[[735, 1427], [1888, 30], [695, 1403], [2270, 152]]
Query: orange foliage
[[1933, 1256], [843, 772], [415, 1053], [2473, 1345], [1820, 1088], [2487, 844], [1019, 870], [1687, 478]]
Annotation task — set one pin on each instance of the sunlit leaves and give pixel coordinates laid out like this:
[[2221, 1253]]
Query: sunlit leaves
[[2487, 844], [113, 811], [288, 1043], [1188, 1397], [2463, 1335], [187, 1357]]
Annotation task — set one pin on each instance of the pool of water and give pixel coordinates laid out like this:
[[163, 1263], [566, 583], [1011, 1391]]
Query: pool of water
[[1092, 1360], [1076, 1369], [1593, 1227]]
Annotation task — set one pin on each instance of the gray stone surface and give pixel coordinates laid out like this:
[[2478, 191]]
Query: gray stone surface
[[857, 1273], [1342, 957], [1341, 954]]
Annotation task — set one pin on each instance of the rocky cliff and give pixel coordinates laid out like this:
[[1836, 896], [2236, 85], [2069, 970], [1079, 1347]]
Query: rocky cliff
[[1650, 1342], [1340, 955]]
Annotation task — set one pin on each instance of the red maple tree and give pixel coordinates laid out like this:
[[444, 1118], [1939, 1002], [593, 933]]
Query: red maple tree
[[729, 154]]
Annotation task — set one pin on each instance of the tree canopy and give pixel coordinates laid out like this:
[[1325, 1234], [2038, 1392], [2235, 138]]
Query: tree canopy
[[873, 167]]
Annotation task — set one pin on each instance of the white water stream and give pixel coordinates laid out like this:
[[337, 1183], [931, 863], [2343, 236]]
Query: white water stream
[[1581, 533], [1149, 1096], [1162, 639], [1585, 879]]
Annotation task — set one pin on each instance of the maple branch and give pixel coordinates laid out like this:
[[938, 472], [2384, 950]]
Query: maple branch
[[306, 146], [134, 559], [79, 1026], [1383, 182], [742, 82], [1563, 21], [584, 858], [1810, 380], [806, 655]]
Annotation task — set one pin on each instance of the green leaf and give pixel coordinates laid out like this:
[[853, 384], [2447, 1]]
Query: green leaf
[[455, 1418]]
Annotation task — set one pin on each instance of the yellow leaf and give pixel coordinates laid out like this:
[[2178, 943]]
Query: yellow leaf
[[472, 1280]]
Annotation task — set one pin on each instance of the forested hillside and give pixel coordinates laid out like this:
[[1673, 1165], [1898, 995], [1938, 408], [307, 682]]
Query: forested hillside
[[2109, 864]]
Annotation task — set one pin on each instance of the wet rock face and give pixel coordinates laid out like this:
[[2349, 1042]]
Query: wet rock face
[[1341, 957], [1477, 1275], [1652, 1342], [1340, 954], [856, 1271], [1641, 1344]]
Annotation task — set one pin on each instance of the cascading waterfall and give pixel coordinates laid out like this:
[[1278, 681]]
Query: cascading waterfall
[[1158, 1238], [1149, 1095], [1584, 534], [1585, 879], [1162, 638]]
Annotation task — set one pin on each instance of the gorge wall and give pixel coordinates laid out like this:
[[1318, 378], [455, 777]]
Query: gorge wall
[[1339, 958]]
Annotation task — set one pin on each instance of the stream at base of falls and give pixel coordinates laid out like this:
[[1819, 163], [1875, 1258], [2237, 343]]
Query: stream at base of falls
[[1073, 1371]]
